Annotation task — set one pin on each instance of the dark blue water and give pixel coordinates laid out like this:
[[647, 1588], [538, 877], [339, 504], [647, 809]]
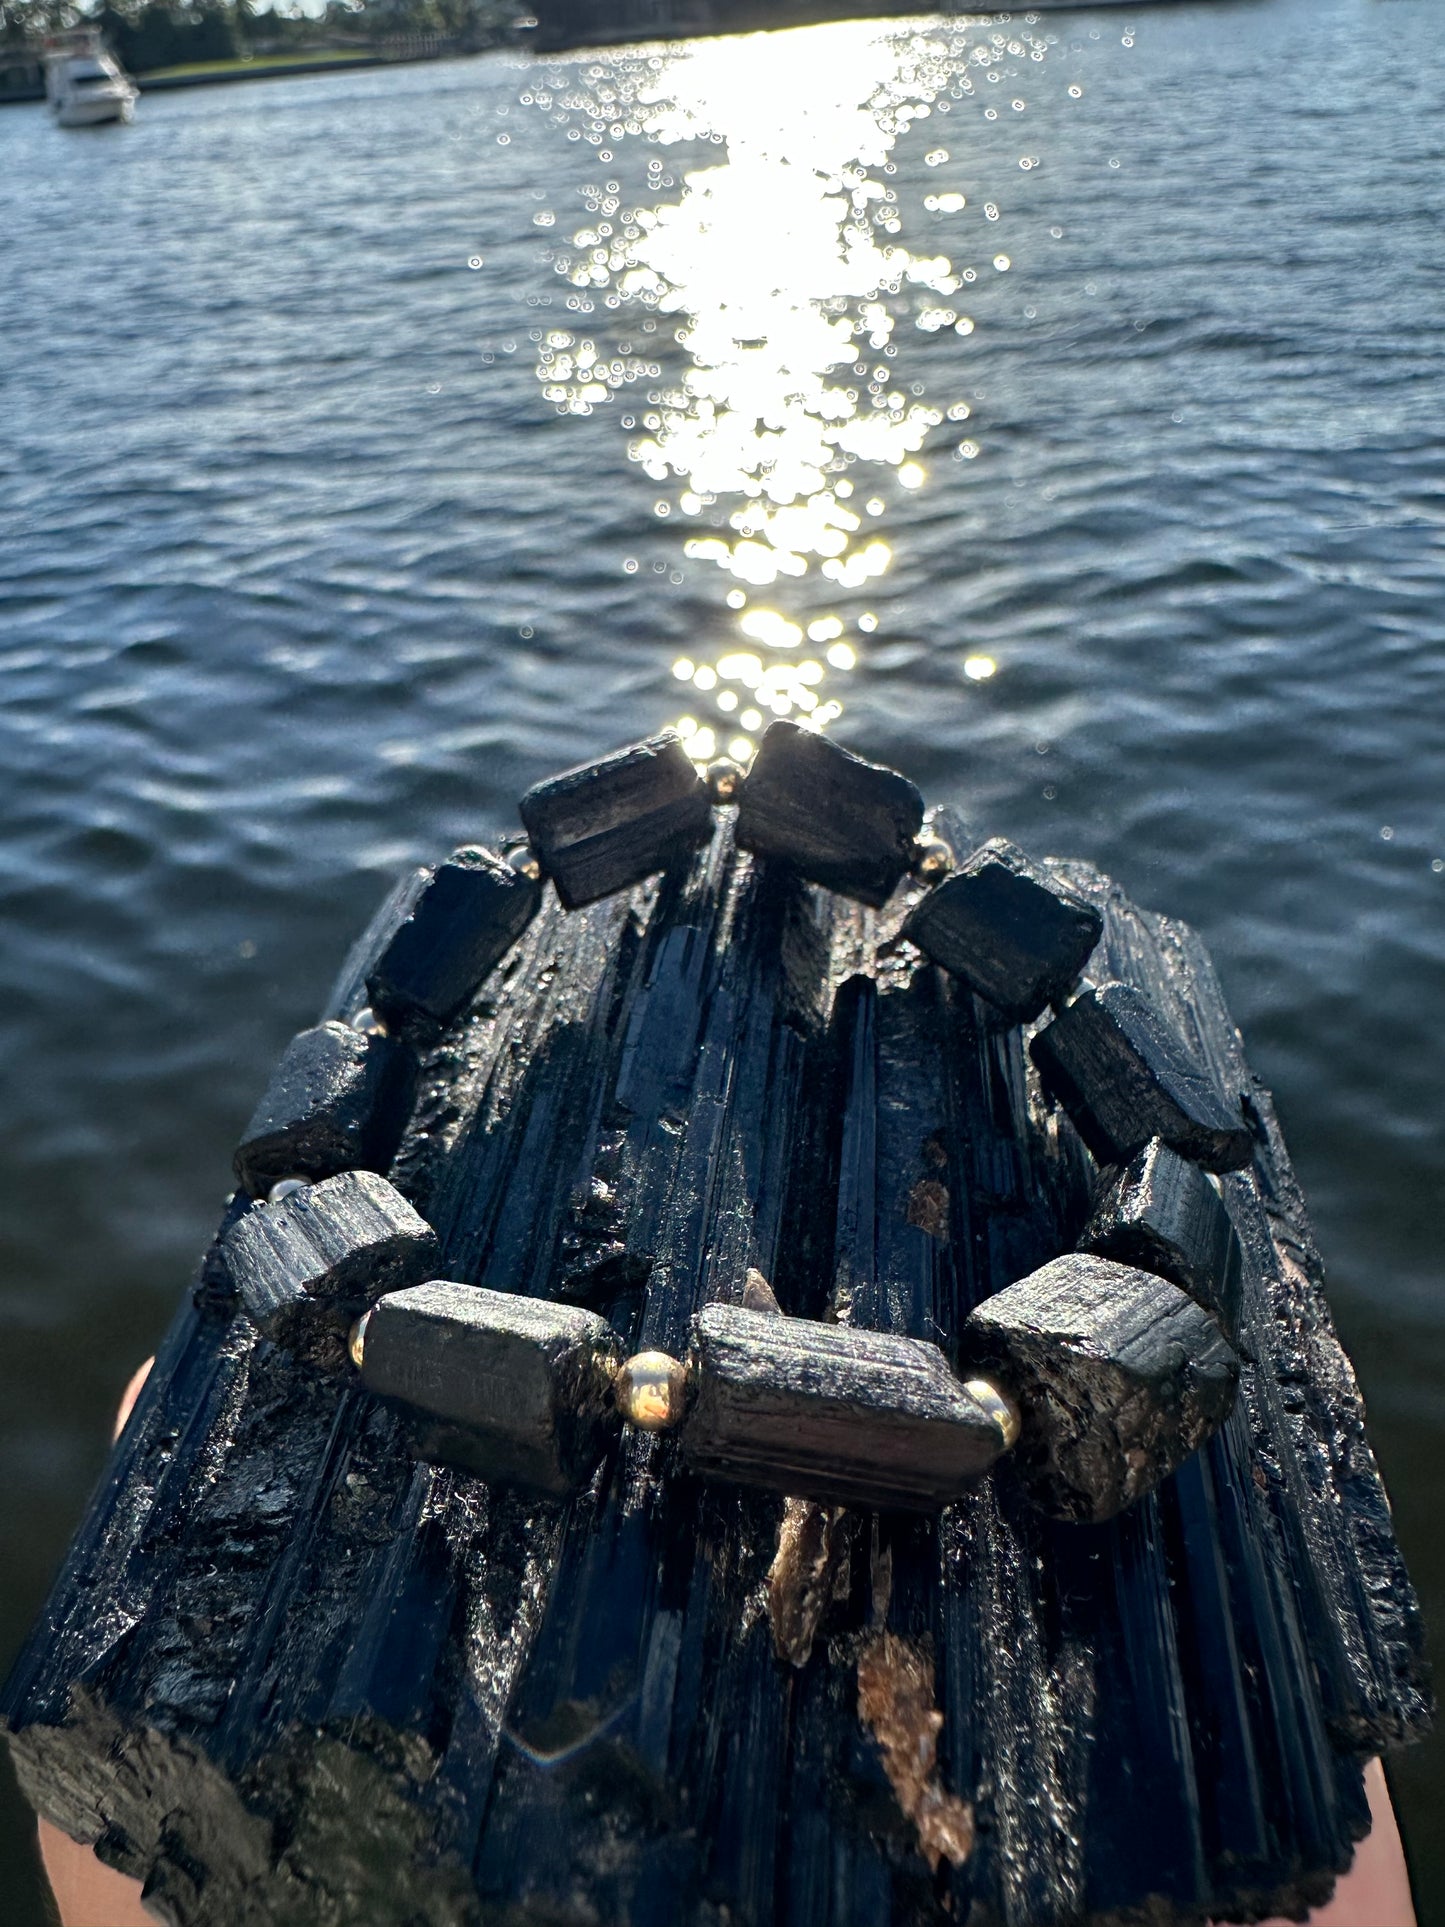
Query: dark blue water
[[352, 477]]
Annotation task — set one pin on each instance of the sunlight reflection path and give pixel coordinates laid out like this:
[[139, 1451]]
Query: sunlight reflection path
[[784, 279]]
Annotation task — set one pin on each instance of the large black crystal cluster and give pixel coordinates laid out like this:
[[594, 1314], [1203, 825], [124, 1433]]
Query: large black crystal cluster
[[579, 1661], [1108, 1366]]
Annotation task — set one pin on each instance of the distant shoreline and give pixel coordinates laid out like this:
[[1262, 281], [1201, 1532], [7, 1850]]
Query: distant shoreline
[[222, 73], [564, 26]]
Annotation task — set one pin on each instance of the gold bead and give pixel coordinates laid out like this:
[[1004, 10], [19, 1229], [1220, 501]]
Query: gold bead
[[1001, 1408], [356, 1340], [724, 780], [932, 858], [651, 1391], [367, 1021], [523, 859]]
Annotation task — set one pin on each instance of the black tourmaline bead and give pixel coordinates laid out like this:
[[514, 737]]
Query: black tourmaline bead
[[832, 1413], [1162, 1213], [462, 923], [1014, 933], [305, 1268], [520, 1385], [609, 824], [837, 820], [337, 1100], [1118, 1373], [1122, 1073]]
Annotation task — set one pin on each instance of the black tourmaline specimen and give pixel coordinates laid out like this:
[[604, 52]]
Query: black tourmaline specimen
[[1122, 1073], [1014, 933], [1163, 1214], [609, 824], [521, 1384], [833, 1413], [304, 1268], [837, 820], [338, 1099], [462, 923], [292, 1673], [1120, 1376]]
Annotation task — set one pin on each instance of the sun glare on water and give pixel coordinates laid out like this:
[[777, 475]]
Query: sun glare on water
[[754, 305]]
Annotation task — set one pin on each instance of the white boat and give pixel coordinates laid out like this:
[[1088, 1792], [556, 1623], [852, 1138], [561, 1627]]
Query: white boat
[[84, 82]]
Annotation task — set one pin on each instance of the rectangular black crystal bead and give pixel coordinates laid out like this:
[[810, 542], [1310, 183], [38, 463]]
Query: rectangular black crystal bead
[[838, 820], [1161, 1213], [304, 1268], [1118, 1374], [832, 1413], [1123, 1074], [462, 923], [337, 1100], [1014, 933], [609, 824], [520, 1385]]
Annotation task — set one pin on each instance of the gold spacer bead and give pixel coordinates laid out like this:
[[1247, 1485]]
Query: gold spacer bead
[[724, 780], [356, 1340], [933, 859], [524, 860], [1000, 1406], [651, 1391]]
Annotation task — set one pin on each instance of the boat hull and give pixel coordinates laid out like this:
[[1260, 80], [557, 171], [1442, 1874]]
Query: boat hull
[[94, 113]]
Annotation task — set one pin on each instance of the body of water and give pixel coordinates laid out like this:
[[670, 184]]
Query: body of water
[[1051, 406]]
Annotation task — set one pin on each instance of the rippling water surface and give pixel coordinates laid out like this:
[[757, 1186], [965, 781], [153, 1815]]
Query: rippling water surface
[[1051, 407]]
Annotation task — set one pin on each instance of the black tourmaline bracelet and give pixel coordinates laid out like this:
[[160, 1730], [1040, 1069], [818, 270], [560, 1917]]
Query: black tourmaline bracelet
[[1102, 1371]]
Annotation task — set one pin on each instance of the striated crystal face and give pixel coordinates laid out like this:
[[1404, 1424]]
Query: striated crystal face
[[462, 923], [610, 823], [1162, 1213], [834, 1413], [337, 1100], [1013, 932], [511, 1388], [1118, 1374], [1122, 1070], [837, 820], [305, 1267]]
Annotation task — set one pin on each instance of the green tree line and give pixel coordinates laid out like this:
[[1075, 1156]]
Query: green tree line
[[146, 34]]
